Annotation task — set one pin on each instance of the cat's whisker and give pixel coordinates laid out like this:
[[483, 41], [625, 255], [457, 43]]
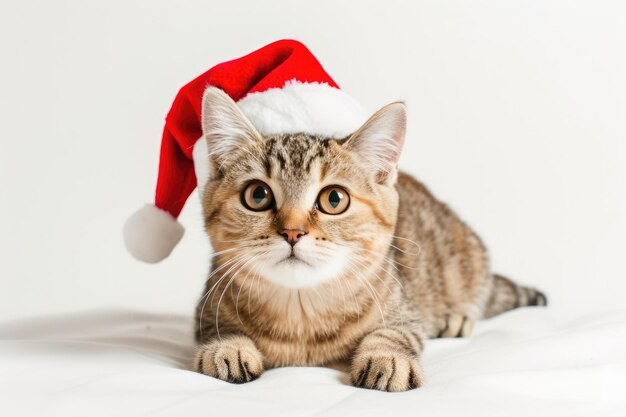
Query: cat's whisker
[[233, 249], [239, 294], [370, 288], [364, 266], [256, 278], [229, 250], [254, 270], [419, 247], [390, 261], [384, 257], [397, 303], [356, 302], [215, 271], [217, 311], [241, 260], [224, 265], [231, 261], [232, 297], [360, 248], [403, 251], [357, 256], [237, 241]]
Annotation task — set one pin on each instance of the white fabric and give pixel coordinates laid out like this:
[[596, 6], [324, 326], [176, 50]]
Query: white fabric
[[107, 363], [150, 234], [314, 108]]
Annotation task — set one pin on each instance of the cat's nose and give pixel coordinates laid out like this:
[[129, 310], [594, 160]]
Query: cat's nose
[[292, 235]]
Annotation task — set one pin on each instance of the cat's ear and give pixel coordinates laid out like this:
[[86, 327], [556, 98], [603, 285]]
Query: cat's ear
[[224, 126], [379, 141]]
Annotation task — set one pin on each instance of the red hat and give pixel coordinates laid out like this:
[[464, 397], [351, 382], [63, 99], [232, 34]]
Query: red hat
[[281, 88]]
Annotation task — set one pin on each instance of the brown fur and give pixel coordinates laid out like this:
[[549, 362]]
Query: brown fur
[[414, 270]]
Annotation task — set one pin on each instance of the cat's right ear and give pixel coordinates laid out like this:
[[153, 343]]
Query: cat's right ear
[[378, 143], [225, 128]]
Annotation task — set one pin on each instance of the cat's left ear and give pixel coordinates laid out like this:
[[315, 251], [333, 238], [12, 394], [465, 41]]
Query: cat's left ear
[[225, 128], [378, 143]]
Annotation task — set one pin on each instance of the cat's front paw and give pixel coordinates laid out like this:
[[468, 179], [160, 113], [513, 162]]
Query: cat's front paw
[[233, 359], [386, 371]]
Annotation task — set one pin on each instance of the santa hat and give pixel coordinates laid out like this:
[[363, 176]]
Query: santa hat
[[281, 88]]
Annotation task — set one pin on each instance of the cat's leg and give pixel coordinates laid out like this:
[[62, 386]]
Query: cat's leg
[[388, 360], [507, 295], [233, 358], [456, 325]]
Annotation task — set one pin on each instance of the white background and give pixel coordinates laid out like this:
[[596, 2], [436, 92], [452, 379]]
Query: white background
[[517, 119]]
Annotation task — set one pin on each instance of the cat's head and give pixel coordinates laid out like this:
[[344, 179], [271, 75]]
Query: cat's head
[[300, 210]]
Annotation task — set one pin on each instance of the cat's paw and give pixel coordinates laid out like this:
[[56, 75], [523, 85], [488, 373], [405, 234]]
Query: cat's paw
[[457, 325], [233, 359], [386, 371]]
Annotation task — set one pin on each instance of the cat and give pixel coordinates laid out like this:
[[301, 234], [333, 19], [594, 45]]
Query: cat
[[325, 252]]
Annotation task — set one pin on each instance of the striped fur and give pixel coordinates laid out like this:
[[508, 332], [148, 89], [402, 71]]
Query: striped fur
[[506, 295], [403, 268]]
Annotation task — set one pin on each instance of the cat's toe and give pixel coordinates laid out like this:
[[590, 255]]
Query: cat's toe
[[234, 360], [457, 325], [466, 328], [386, 371]]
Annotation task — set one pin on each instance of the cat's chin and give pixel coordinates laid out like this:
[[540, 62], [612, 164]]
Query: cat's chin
[[294, 272]]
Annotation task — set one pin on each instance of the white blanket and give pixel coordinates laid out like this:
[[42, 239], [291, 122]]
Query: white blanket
[[115, 363]]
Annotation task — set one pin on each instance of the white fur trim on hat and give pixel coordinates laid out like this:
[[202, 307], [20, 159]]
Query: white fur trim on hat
[[150, 234], [314, 108], [201, 163]]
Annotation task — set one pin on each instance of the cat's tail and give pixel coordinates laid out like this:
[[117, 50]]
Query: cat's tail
[[507, 295]]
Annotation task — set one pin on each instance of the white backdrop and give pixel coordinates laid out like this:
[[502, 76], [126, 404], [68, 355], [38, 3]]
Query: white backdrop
[[517, 119]]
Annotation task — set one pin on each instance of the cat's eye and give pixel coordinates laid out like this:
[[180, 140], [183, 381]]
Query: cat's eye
[[257, 196], [333, 200]]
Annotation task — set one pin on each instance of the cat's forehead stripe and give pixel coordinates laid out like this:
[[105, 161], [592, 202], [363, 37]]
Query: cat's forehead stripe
[[294, 154]]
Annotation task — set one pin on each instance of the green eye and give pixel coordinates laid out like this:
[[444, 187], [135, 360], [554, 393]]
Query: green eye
[[333, 200], [257, 196]]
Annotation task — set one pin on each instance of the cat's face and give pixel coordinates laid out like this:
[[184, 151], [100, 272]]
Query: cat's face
[[299, 210]]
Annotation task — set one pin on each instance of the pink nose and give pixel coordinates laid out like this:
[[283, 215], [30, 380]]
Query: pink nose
[[292, 235]]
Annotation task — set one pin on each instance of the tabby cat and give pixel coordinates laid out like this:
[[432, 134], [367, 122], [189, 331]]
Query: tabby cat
[[325, 253]]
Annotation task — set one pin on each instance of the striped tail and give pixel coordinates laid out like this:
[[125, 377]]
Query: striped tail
[[507, 295]]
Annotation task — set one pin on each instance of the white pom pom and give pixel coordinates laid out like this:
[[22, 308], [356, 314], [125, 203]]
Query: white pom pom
[[150, 234]]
